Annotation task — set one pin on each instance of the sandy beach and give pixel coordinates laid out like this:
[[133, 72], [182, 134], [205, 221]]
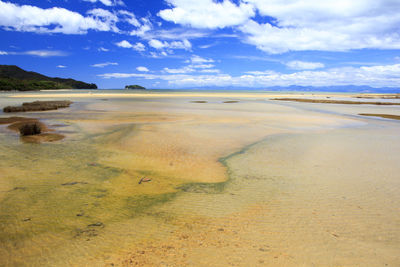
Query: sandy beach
[[231, 179]]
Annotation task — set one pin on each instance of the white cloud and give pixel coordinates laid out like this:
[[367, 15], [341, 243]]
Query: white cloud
[[376, 76], [28, 18], [43, 53], [185, 69], [202, 66], [210, 71], [129, 17], [207, 13], [102, 65], [144, 26], [38, 53], [175, 34], [102, 49], [61, 66], [329, 25], [139, 47], [157, 44], [296, 25], [124, 44], [107, 2], [267, 72], [143, 69], [303, 65], [195, 59]]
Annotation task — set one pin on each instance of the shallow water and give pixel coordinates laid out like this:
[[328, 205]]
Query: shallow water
[[249, 183]]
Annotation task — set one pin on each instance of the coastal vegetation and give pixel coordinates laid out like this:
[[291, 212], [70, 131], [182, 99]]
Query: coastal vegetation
[[14, 78], [31, 130], [38, 106], [135, 86]]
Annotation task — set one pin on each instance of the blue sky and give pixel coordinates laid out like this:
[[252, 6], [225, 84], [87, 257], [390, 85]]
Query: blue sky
[[196, 43]]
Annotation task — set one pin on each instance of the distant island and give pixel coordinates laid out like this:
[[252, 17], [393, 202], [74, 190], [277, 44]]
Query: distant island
[[135, 86], [14, 78]]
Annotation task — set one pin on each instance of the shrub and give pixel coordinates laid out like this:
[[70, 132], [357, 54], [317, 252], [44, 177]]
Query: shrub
[[30, 128]]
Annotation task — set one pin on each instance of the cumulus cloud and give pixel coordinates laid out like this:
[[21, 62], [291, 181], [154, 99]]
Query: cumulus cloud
[[375, 76], [303, 65], [27, 18], [124, 44], [139, 47], [207, 13], [102, 65], [143, 69], [297, 25], [157, 44], [329, 25]]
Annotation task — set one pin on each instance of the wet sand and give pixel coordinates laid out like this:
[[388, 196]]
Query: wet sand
[[255, 183], [385, 116], [346, 102]]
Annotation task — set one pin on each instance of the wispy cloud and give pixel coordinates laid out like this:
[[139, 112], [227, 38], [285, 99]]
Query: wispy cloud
[[303, 65], [37, 53], [61, 66], [45, 53], [105, 64], [107, 2]]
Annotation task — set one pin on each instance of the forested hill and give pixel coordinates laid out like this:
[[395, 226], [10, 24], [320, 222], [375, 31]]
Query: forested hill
[[14, 78]]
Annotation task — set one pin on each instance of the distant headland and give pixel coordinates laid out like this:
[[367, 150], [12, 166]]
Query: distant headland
[[135, 86], [14, 78]]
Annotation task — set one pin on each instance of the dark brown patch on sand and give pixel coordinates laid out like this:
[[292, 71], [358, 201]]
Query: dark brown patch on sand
[[198, 101], [46, 135], [386, 96], [38, 106], [336, 101], [386, 116], [231, 101]]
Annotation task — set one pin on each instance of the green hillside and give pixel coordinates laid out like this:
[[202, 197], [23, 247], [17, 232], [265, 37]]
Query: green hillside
[[14, 78]]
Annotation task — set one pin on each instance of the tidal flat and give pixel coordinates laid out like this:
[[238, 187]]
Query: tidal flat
[[257, 182]]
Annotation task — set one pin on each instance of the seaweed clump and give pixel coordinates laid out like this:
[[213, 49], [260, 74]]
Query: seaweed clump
[[39, 106]]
